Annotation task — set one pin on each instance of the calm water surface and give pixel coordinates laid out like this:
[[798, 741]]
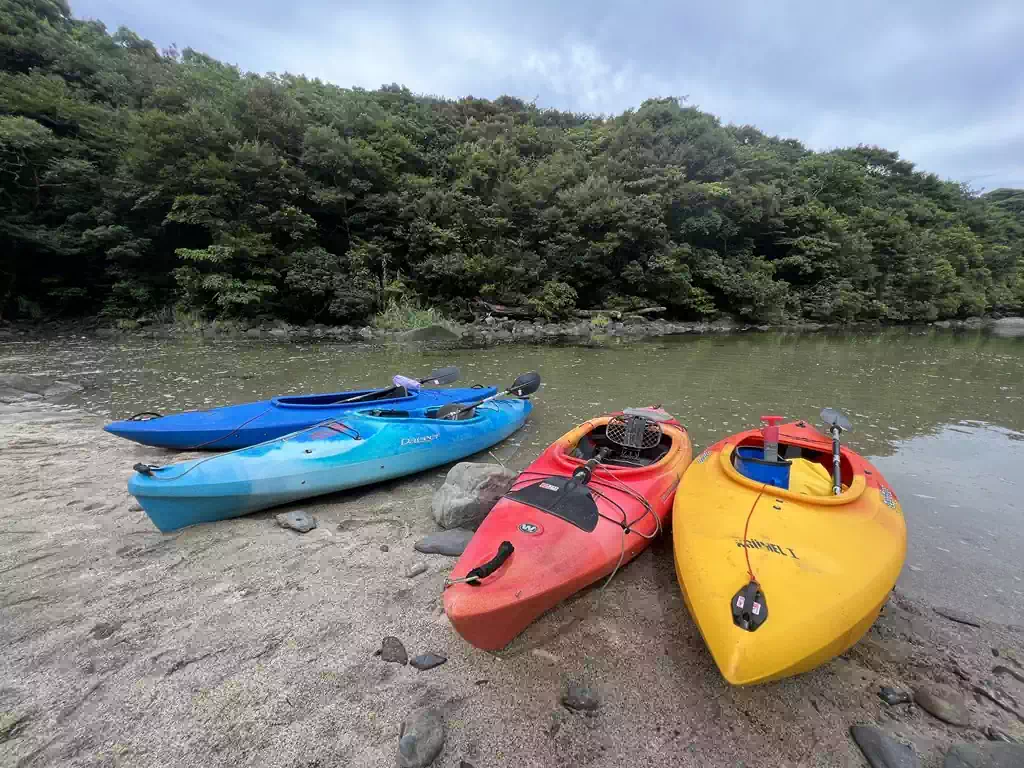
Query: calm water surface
[[942, 414]]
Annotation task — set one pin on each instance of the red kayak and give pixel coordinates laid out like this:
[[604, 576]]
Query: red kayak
[[591, 503]]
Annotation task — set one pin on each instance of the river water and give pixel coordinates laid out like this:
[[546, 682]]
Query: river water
[[940, 413]]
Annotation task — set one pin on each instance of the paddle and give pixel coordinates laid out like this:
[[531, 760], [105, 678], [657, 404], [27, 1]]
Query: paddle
[[837, 423], [438, 377], [524, 385]]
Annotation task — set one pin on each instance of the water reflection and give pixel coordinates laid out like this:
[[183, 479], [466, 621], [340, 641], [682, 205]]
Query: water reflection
[[961, 492]]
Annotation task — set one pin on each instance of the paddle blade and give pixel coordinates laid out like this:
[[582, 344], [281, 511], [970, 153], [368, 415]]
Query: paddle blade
[[833, 418], [525, 385], [442, 376]]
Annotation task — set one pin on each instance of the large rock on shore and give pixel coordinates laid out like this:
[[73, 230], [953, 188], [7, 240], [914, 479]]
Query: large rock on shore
[[19, 387], [468, 494]]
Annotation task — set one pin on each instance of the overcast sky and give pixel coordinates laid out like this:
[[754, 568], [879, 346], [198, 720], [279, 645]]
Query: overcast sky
[[941, 81]]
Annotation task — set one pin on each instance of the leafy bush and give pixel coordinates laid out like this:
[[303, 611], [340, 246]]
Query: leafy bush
[[555, 301]]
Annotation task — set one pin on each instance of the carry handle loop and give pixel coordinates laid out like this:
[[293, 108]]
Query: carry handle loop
[[483, 571]]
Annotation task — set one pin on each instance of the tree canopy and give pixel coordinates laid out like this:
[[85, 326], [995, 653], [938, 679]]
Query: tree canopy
[[133, 180]]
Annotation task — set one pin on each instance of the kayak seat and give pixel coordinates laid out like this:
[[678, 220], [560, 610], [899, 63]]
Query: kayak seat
[[590, 444], [471, 413]]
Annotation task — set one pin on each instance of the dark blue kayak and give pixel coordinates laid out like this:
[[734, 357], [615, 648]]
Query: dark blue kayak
[[239, 426]]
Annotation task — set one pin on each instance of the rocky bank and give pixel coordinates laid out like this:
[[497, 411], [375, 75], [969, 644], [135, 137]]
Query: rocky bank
[[484, 332], [248, 643]]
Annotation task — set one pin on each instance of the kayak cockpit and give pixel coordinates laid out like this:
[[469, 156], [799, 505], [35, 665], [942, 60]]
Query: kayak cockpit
[[803, 469], [466, 414], [597, 439], [334, 399], [659, 442]]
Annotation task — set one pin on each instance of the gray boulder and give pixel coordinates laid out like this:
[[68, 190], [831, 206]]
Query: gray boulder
[[17, 387], [430, 333], [468, 494], [990, 755], [421, 738], [452, 543], [881, 750]]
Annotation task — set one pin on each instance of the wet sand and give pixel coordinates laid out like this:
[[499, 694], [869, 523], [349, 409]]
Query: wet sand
[[242, 643]]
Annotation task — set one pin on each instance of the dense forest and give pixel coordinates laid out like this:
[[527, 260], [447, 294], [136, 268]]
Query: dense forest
[[138, 182]]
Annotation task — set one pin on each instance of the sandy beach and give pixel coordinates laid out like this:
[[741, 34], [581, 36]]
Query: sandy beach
[[244, 643]]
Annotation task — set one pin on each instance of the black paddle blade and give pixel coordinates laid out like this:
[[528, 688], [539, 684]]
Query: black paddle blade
[[833, 418], [442, 376], [525, 385]]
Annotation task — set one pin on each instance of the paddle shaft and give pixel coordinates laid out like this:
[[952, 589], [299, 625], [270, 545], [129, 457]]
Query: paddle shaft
[[584, 473], [837, 486], [380, 393], [471, 406]]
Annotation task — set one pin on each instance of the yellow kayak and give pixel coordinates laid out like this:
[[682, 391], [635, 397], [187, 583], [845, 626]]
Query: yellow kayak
[[780, 581]]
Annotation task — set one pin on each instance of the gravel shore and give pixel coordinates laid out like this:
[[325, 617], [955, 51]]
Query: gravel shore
[[246, 643]]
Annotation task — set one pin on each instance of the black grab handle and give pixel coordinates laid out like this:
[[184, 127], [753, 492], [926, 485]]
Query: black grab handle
[[485, 570]]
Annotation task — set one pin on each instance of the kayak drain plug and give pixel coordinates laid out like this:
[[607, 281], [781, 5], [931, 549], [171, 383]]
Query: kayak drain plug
[[749, 609]]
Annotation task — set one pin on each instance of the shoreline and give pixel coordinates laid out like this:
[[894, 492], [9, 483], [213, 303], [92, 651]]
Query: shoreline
[[486, 332], [242, 642]]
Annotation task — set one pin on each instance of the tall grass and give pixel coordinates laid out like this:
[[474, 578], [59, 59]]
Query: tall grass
[[404, 314]]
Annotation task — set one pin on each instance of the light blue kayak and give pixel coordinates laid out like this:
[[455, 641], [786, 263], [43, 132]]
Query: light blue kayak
[[359, 449]]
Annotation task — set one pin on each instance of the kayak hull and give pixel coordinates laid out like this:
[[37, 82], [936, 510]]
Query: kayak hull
[[358, 450], [554, 558], [825, 564], [240, 426]]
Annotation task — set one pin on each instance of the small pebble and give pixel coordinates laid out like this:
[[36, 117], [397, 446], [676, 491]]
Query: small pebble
[[580, 698], [452, 543], [547, 656], [299, 520], [415, 570], [392, 650], [943, 703], [427, 661], [421, 738], [894, 696], [384, 547]]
